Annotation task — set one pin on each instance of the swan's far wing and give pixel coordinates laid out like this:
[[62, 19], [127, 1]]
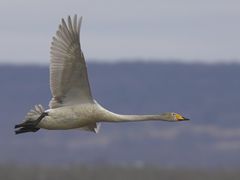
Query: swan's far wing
[[94, 127], [68, 72]]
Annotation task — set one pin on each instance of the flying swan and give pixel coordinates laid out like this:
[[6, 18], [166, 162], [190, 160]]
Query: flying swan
[[72, 105]]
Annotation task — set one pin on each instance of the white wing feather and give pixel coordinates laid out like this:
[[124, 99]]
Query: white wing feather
[[68, 72]]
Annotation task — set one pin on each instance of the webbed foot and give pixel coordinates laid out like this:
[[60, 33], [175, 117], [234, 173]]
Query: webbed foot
[[29, 126]]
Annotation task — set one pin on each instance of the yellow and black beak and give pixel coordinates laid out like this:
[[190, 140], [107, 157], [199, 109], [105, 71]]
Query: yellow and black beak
[[181, 118]]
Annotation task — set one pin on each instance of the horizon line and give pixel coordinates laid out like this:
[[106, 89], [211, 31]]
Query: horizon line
[[128, 61]]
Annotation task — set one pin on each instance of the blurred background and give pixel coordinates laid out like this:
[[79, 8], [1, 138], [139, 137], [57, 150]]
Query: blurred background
[[143, 57]]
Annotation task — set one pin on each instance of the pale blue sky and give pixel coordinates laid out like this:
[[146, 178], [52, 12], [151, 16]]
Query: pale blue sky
[[206, 30]]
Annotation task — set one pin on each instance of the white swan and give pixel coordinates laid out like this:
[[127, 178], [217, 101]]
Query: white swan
[[72, 105]]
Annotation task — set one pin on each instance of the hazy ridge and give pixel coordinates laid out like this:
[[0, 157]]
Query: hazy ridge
[[207, 94]]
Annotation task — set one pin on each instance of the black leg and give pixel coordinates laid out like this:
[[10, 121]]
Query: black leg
[[19, 125], [40, 118], [29, 126], [25, 130]]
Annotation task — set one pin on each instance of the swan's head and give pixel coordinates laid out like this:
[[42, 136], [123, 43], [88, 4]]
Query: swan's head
[[174, 117]]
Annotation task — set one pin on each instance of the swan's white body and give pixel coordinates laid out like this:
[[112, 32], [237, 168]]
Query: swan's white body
[[88, 116], [72, 105], [70, 117]]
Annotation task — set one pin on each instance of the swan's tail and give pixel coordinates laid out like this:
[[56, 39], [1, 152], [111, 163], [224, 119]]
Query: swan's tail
[[31, 121], [34, 113]]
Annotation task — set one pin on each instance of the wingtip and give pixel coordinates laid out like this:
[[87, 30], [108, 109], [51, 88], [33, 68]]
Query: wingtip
[[97, 128], [69, 19], [63, 21], [80, 20]]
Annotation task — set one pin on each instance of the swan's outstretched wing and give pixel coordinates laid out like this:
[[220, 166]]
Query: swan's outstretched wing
[[68, 72]]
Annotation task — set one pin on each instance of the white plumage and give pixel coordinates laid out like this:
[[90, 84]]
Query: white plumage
[[68, 72], [72, 105]]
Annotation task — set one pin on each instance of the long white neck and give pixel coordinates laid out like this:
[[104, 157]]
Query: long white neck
[[108, 116], [132, 118]]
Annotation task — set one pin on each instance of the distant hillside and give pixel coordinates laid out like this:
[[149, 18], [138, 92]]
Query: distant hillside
[[73, 172], [207, 94]]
